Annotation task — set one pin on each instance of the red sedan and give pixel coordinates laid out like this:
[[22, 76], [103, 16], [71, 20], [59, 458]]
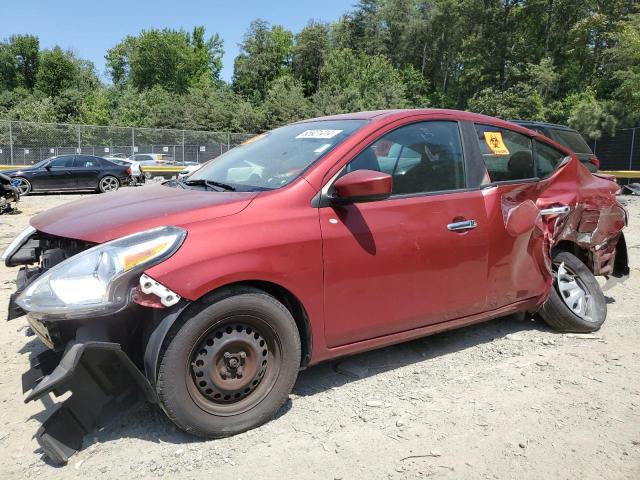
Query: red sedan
[[319, 239]]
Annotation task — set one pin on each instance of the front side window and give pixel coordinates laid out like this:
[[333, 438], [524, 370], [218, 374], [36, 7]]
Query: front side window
[[421, 158], [65, 161], [276, 158], [507, 154], [547, 159]]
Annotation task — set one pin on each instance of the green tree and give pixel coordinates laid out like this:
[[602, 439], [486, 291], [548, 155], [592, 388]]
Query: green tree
[[308, 54], [623, 66], [518, 102], [584, 112], [285, 102], [356, 81], [171, 59], [265, 54], [8, 71], [56, 71], [96, 108], [218, 108], [33, 109], [25, 49]]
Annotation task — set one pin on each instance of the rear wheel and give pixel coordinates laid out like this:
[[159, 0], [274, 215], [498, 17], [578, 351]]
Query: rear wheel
[[24, 185], [576, 302], [230, 365], [108, 183]]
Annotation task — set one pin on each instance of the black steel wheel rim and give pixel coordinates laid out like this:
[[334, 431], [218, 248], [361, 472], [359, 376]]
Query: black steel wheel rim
[[233, 365]]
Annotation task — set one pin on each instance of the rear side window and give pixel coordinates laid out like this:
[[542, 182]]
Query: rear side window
[[547, 159], [85, 161], [507, 154], [571, 139], [421, 157]]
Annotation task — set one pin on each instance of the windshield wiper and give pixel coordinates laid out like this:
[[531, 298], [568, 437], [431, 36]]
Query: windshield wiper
[[209, 183]]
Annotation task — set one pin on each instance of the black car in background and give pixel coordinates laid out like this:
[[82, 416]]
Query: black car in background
[[566, 136], [71, 172]]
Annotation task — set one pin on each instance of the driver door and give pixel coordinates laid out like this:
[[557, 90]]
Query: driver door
[[403, 263], [57, 174]]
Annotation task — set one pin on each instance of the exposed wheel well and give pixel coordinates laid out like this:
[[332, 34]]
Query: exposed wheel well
[[582, 253], [291, 302]]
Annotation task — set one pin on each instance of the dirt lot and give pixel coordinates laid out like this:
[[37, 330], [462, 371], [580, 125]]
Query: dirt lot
[[505, 399]]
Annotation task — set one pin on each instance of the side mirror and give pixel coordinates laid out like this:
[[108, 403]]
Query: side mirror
[[363, 186], [48, 166]]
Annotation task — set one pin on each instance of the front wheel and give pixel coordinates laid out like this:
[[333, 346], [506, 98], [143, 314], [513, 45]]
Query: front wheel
[[23, 185], [108, 183], [576, 302], [230, 364]]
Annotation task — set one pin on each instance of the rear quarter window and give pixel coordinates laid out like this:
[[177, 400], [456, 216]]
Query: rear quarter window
[[547, 158]]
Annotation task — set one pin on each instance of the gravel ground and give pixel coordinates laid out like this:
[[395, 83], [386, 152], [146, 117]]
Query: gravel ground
[[505, 399]]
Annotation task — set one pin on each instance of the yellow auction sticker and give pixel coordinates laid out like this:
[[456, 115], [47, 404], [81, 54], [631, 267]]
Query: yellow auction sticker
[[254, 139], [495, 143]]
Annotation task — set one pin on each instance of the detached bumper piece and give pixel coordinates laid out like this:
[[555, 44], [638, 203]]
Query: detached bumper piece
[[103, 381]]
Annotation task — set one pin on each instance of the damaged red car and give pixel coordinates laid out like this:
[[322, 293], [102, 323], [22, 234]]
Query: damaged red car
[[319, 239]]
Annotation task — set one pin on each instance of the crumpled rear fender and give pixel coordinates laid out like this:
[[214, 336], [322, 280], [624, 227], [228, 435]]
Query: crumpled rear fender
[[592, 227], [595, 221]]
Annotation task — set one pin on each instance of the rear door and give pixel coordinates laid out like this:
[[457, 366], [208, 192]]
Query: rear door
[[86, 171], [516, 264], [414, 259]]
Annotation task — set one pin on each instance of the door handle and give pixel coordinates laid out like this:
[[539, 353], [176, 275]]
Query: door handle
[[555, 210], [462, 226]]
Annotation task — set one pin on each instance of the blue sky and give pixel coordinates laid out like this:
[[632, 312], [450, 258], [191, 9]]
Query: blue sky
[[90, 27]]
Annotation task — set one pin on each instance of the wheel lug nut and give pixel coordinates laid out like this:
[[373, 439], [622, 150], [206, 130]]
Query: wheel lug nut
[[243, 355], [227, 355]]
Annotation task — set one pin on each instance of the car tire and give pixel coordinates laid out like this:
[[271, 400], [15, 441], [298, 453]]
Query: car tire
[[108, 183], [229, 364], [25, 186], [576, 302]]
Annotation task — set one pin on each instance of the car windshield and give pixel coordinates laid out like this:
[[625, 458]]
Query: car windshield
[[276, 158], [571, 139], [41, 163]]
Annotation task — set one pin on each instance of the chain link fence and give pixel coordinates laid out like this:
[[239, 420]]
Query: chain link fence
[[25, 143]]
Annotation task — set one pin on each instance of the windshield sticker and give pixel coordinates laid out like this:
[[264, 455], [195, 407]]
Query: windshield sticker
[[322, 148], [324, 133], [495, 143], [254, 139]]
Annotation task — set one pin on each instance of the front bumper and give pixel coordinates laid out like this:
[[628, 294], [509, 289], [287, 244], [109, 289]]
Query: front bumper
[[107, 363], [102, 380]]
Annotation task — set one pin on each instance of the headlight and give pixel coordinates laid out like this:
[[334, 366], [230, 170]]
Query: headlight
[[99, 280]]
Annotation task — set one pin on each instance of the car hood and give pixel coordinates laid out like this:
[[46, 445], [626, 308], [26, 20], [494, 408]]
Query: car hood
[[13, 172], [103, 217]]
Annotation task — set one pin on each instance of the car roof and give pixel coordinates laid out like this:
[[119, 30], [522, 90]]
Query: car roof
[[390, 115]]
